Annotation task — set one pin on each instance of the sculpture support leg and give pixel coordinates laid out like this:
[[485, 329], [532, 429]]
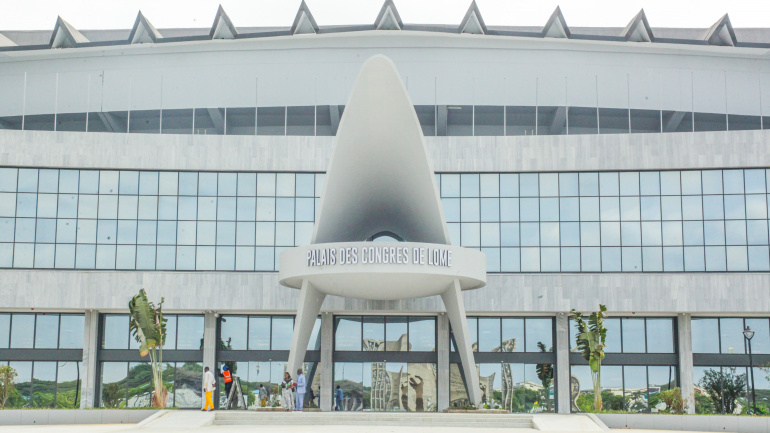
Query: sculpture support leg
[[453, 302], [310, 301]]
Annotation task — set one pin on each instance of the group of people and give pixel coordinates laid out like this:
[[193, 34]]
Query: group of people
[[292, 392]]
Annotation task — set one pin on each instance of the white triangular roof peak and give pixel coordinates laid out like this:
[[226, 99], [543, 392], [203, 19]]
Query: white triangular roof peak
[[143, 31], [556, 27], [304, 21], [388, 18], [380, 178], [66, 36], [721, 33], [5, 42], [638, 30], [473, 22], [223, 27]]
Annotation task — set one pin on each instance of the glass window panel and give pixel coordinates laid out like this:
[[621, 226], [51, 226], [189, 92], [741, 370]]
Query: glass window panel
[[71, 331], [259, 333], [713, 207], [225, 209], [512, 335], [509, 234], [731, 336], [760, 343], [611, 260], [589, 234], [68, 385], [549, 260], [281, 332], [46, 205], [630, 209], [116, 333], [490, 185], [528, 184], [549, 185], [735, 232], [422, 334], [509, 209], [633, 335], [538, 330], [22, 331], [712, 181], [374, 333], [568, 184], [756, 206], [569, 209], [490, 209], [692, 232], [757, 232], [672, 207], [610, 234], [549, 234], [396, 338], [489, 334], [347, 334], [264, 259], [26, 205], [233, 332], [759, 258], [609, 184], [673, 259], [649, 182], [469, 185], [589, 209], [530, 234], [549, 209], [737, 259], [167, 183], [469, 209], [473, 332], [570, 259], [590, 259], [509, 185], [589, 184], [635, 388], [610, 208], [733, 181], [735, 207], [692, 208], [148, 207], [691, 182], [716, 259], [47, 331]]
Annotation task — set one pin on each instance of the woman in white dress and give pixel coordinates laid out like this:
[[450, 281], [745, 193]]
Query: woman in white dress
[[287, 389]]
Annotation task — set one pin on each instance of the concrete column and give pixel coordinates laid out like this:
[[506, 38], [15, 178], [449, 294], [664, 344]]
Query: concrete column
[[684, 337], [88, 378], [562, 363], [442, 347], [327, 363], [453, 301], [210, 341], [310, 301]]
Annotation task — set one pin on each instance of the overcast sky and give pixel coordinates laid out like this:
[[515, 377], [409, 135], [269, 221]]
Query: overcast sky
[[120, 14]]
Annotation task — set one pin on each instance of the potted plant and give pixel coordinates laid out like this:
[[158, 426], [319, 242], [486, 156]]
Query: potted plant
[[149, 329]]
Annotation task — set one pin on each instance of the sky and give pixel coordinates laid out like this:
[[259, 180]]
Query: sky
[[120, 14]]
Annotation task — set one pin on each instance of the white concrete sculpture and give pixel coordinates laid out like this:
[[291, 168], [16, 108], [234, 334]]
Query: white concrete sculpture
[[380, 181]]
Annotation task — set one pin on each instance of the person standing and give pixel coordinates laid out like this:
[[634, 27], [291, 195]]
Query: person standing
[[338, 398], [263, 395], [301, 388], [228, 378], [208, 388], [287, 386]]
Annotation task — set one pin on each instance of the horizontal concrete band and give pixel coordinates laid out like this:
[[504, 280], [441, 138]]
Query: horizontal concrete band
[[681, 150], [701, 293]]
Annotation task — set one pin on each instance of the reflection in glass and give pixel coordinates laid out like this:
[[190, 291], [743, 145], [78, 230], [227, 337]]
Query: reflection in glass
[[347, 335], [374, 333], [396, 335]]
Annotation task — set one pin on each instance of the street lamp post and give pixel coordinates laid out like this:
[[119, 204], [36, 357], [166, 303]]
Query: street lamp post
[[748, 334]]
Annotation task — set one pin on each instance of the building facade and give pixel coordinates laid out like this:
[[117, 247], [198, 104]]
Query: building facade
[[626, 167]]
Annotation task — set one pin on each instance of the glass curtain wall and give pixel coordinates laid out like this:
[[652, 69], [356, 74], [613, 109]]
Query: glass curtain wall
[[125, 378], [515, 362], [385, 363], [256, 348], [46, 349], [723, 380], [640, 365]]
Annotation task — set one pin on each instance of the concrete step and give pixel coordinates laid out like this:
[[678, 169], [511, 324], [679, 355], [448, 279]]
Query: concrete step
[[374, 418]]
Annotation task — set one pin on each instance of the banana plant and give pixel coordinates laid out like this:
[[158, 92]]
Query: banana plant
[[590, 343], [149, 329], [545, 374]]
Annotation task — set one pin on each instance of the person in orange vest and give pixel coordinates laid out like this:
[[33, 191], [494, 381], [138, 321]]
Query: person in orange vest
[[228, 379]]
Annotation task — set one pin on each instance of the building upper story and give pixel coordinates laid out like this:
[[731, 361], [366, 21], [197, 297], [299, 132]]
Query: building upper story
[[464, 80]]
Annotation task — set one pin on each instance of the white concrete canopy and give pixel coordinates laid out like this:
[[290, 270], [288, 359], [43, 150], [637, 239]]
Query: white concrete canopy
[[721, 33], [556, 27], [380, 180], [304, 21], [388, 18], [472, 22], [638, 29]]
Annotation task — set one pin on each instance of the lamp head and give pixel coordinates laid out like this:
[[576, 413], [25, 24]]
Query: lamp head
[[748, 333]]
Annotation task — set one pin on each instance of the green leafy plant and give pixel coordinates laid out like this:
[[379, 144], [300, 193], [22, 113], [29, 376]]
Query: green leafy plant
[[149, 329], [545, 374], [724, 388], [590, 343], [7, 383], [673, 399]]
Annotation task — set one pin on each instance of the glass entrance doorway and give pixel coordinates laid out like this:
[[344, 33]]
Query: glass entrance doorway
[[385, 363]]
